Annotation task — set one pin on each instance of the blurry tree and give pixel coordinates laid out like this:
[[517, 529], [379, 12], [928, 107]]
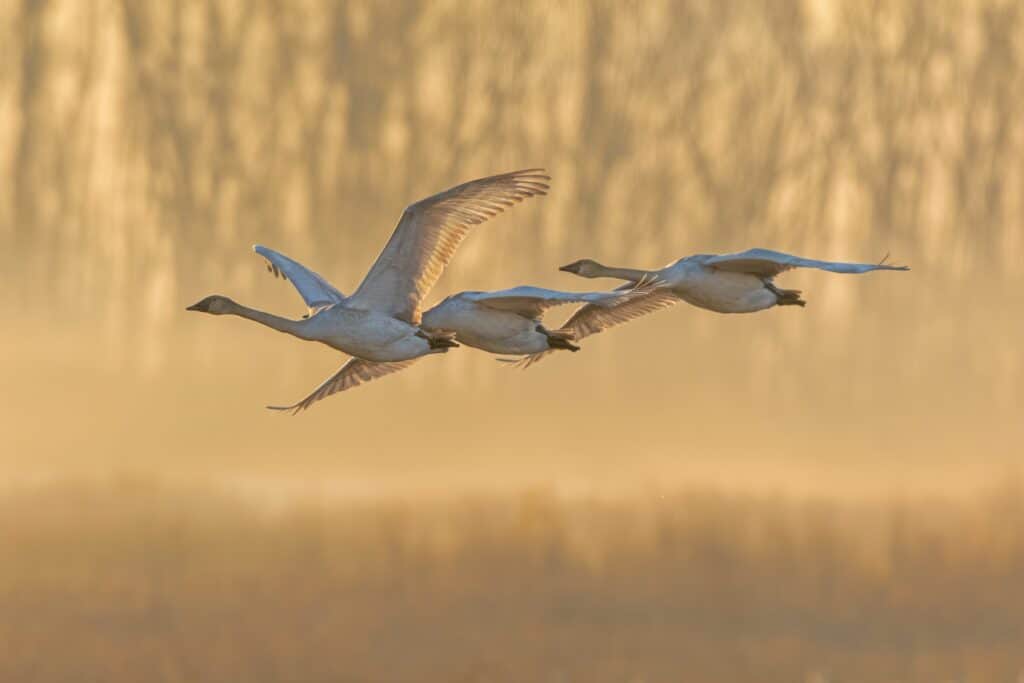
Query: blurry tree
[[148, 142]]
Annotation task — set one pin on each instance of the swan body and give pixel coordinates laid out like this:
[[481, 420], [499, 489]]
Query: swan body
[[509, 321], [369, 335], [726, 283], [365, 334], [380, 321], [716, 290]]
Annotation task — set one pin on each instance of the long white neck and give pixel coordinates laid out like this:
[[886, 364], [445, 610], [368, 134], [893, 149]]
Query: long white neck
[[631, 274], [296, 328]]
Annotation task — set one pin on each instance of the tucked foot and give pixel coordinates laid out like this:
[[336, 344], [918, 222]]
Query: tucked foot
[[558, 339], [785, 297], [439, 340]]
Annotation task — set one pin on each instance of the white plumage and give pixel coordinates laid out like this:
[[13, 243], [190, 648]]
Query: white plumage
[[379, 323], [509, 321], [727, 283]]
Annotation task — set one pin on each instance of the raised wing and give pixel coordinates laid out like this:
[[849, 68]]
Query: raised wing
[[768, 263], [531, 302], [352, 374], [314, 289], [428, 234], [591, 319]]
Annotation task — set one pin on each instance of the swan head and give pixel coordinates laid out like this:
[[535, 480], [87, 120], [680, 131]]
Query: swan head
[[584, 268], [214, 305]]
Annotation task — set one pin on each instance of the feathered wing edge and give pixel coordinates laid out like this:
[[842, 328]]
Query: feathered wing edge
[[428, 234], [314, 289], [769, 263], [534, 302], [592, 319], [355, 372]]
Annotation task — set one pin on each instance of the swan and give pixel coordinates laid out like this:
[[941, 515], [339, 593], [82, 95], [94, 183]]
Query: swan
[[379, 324], [508, 321], [724, 283]]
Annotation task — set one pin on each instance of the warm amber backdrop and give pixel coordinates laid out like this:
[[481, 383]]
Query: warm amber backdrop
[[824, 494], [146, 146]]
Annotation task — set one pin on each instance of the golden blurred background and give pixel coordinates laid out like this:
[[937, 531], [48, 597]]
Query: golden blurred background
[[145, 146]]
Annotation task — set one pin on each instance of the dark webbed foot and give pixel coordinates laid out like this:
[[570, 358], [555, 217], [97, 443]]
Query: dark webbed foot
[[442, 343], [785, 297], [558, 339], [439, 340]]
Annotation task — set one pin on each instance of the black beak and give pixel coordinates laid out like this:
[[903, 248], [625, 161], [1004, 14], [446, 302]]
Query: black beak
[[569, 268], [194, 307]]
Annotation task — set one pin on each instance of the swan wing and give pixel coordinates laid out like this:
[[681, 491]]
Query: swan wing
[[313, 288], [531, 302], [428, 234], [768, 263], [592, 319], [354, 372]]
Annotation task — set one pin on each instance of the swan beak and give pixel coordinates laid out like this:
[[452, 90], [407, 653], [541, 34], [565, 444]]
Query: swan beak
[[570, 268], [197, 306]]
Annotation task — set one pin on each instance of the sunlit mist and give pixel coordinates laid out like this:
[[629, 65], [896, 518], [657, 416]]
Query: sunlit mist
[[146, 146]]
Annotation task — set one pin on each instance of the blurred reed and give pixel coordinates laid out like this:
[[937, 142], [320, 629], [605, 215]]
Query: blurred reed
[[132, 579]]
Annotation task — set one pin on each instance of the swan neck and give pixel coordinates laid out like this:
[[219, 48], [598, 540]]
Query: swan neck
[[295, 328], [631, 274]]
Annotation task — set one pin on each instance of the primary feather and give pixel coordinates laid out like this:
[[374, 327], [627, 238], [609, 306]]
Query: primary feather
[[353, 373], [312, 287], [428, 235]]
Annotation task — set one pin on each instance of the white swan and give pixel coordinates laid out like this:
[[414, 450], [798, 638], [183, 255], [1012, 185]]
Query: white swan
[[379, 323], [508, 321], [727, 283]]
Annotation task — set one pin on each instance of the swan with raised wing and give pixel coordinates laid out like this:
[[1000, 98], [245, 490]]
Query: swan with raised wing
[[728, 283], [509, 321], [379, 324]]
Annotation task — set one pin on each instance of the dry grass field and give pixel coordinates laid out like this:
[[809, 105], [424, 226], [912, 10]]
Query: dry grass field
[[132, 580]]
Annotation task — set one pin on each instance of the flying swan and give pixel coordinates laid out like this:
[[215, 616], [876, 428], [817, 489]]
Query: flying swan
[[508, 321], [726, 283], [380, 323]]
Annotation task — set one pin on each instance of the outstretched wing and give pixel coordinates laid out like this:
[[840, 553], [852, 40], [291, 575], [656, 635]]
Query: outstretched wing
[[428, 234], [314, 289], [531, 302], [768, 263], [591, 319], [352, 374]]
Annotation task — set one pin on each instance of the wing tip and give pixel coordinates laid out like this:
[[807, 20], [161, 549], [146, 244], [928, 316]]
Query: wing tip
[[537, 170], [293, 409], [521, 362], [884, 263]]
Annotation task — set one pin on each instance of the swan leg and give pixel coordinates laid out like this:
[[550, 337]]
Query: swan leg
[[558, 339], [786, 297], [439, 340]]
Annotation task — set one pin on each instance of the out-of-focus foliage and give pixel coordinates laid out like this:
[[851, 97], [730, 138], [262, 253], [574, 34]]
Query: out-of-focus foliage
[[144, 141]]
